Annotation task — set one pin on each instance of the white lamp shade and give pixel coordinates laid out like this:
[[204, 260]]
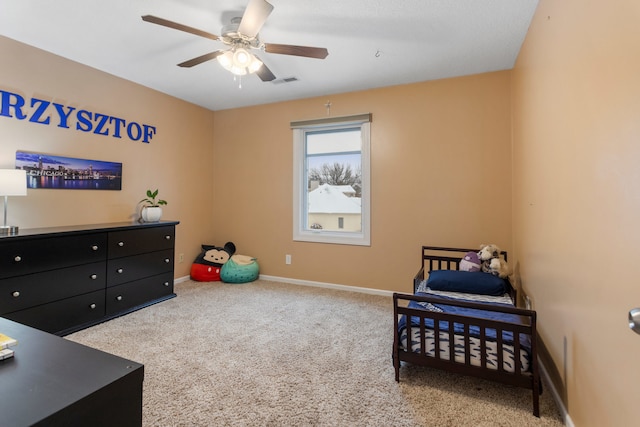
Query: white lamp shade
[[13, 182], [241, 58], [239, 61]]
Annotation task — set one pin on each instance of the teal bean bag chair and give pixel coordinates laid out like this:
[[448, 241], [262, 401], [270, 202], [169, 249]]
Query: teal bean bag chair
[[240, 269]]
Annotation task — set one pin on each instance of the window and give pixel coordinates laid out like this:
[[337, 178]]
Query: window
[[331, 182]]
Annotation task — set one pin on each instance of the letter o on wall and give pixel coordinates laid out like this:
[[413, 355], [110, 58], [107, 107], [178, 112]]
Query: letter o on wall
[[134, 127]]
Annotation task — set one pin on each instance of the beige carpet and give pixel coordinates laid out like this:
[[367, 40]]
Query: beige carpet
[[275, 354]]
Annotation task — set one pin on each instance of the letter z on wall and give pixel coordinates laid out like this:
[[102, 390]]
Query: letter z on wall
[[44, 112]]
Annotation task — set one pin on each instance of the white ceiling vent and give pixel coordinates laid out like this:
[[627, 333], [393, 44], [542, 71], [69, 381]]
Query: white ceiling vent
[[285, 80]]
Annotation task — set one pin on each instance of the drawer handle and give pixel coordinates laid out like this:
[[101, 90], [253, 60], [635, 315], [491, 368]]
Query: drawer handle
[[94, 247], [166, 283], [92, 306], [94, 276], [167, 260], [120, 270], [168, 237], [121, 244], [119, 297], [15, 294], [18, 258]]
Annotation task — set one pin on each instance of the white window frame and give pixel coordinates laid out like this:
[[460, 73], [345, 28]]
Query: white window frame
[[300, 128]]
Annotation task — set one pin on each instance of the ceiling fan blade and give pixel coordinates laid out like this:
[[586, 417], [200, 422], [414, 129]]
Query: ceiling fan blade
[[180, 27], [265, 73], [200, 59], [288, 49], [254, 17]]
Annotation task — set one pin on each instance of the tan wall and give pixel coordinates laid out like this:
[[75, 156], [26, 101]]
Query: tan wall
[[576, 98], [177, 161], [441, 175]]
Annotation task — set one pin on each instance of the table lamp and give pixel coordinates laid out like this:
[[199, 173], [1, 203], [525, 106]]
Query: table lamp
[[13, 182]]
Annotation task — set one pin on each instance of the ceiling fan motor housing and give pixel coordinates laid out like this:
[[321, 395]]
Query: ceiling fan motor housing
[[232, 37]]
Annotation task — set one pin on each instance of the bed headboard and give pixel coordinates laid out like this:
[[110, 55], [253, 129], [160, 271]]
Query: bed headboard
[[442, 258]]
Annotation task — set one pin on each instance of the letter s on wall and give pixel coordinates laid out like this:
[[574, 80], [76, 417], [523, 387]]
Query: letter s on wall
[[84, 118]]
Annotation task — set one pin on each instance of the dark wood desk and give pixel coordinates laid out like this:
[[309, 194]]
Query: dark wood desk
[[55, 382]]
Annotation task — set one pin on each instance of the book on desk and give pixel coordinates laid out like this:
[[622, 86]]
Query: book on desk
[[6, 342]]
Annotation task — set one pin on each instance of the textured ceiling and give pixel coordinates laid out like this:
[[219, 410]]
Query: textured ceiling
[[371, 43]]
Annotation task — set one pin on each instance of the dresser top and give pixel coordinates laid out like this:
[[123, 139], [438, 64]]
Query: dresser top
[[88, 228]]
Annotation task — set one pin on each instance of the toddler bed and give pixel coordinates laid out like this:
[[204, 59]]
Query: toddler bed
[[473, 313]]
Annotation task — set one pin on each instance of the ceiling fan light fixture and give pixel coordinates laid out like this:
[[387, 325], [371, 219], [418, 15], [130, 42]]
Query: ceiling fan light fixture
[[241, 58], [238, 71], [255, 65], [239, 61], [226, 60]]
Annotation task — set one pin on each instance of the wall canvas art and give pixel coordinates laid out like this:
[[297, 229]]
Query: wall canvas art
[[48, 171]]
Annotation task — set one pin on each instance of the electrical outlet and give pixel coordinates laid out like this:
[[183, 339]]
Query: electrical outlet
[[180, 257], [287, 259]]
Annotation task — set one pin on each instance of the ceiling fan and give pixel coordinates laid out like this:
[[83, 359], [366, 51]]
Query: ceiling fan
[[241, 35]]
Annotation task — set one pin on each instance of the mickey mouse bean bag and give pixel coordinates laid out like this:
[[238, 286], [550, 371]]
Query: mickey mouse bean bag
[[207, 266]]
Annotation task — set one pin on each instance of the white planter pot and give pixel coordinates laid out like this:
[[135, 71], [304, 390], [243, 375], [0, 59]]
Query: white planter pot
[[151, 213]]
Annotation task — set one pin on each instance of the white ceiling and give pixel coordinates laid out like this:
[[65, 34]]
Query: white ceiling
[[371, 43]]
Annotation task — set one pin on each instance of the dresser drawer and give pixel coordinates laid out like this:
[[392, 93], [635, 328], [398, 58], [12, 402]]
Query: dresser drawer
[[125, 297], [136, 267], [22, 292], [133, 242], [64, 314], [25, 256]]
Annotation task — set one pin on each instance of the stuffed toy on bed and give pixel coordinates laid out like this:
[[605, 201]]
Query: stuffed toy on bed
[[491, 262], [207, 266], [470, 262]]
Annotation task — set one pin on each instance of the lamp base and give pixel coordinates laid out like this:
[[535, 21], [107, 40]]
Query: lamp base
[[8, 230]]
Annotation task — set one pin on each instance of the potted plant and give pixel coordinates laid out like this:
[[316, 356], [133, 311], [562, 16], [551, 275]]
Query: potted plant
[[151, 210]]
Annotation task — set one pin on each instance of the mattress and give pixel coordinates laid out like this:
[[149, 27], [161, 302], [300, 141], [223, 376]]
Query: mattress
[[508, 356]]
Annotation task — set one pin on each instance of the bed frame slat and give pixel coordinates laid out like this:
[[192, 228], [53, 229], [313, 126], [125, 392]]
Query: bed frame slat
[[423, 339], [452, 341], [467, 345], [500, 350], [483, 347], [436, 337]]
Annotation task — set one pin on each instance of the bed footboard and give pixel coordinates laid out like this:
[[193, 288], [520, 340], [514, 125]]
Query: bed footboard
[[480, 345]]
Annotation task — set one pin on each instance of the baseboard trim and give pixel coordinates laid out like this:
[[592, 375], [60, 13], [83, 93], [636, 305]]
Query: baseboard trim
[[556, 396], [313, 284], [181, 279], [327, 285]]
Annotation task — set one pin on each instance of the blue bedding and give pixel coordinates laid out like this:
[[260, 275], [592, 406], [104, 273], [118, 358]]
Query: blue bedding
[[474, 331]]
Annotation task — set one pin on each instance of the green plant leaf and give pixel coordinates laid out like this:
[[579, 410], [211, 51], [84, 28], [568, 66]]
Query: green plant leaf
[[150, 200]]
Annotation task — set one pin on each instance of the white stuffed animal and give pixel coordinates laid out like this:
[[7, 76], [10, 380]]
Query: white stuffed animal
[[491, 262], [500, 268]]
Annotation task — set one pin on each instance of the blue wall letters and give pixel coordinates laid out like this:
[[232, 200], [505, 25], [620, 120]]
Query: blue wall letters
[[46, 112]]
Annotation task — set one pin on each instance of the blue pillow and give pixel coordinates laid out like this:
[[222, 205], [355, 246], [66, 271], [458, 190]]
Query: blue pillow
[[474, 282]]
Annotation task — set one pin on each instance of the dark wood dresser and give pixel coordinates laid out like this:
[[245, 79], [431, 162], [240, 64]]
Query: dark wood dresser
[[64, 279], [51, 381]]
